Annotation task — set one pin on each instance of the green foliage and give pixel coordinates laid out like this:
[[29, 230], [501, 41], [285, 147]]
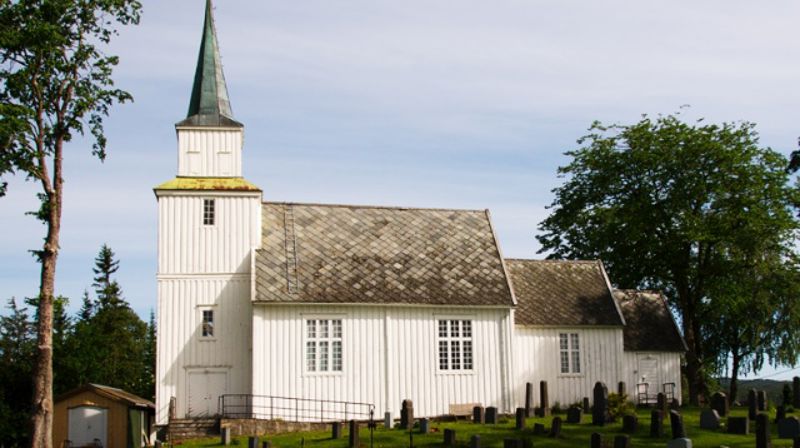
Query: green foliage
[[619, 405], [681, 207], [17, 347]]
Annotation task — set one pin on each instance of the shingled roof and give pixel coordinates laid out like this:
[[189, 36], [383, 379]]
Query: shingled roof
[[315, 253], [562, 292], [649, 323]]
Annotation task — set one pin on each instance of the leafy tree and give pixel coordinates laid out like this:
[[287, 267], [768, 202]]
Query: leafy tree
[[664, 204], [54, 83], [17, 346]]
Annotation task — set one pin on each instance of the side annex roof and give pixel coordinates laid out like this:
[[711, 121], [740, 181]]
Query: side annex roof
[[649, 322], [313, 253], [562, 293]]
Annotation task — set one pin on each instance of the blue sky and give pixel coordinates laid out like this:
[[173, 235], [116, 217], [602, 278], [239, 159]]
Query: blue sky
[[464, 104]]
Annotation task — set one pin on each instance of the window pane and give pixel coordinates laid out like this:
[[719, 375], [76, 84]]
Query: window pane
[[467, 355], [208, 212], [564, 362], [574, 340], [454, 328], [311, 356], [443, 364], [337, 356], [337, 328], [562, 341], [323, 356], [466, 328], [442, 328], [576, 362], [312, 328], [323, 328], [208, 323], [455, 354]]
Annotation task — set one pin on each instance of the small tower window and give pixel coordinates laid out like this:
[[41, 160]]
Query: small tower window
[[208, 324], [208, 212]]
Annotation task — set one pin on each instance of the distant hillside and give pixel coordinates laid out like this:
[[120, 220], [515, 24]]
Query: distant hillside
[[774, 389]]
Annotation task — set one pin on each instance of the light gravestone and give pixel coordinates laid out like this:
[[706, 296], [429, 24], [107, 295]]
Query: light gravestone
[[225, 435], [387, 420], [719, 403], [600, 408], [789, 428], [680, 443], [709, 419]]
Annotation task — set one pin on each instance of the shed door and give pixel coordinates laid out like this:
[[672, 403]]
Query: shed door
[[204, 391], [87, 423], [648, 373]]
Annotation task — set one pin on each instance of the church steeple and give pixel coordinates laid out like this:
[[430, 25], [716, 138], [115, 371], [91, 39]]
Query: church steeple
[[209, 104]]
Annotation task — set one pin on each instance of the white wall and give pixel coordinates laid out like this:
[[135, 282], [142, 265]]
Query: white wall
[[390, 354], [669, 371], [536, 358], [214, 152]]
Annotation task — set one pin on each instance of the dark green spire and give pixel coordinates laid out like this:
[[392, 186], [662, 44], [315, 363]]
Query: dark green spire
[[209, 105]]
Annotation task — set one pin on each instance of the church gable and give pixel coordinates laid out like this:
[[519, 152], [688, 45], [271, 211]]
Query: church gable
[[379, 255]]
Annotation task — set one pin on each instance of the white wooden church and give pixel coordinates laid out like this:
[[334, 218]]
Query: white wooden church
[[261, 301]]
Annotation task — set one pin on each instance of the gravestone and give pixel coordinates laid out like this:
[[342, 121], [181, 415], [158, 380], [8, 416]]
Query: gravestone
[[266, 444], [656, 423], [555, 430], [450, 437], [352, 440], [597, 440], [661, 403], [544, 401], [407, 415], [780, 413], [528, 399], [574, 415], [763, 439], [520, 420], [424, 425], [600, 404], [719, 403], [478, 415], [762, 401], [752, 404], [796, 392], [252, 442], [621, 389], [387, 420], [586, 407], [336, 430], [475, 441], [538, 429], [491, 415], [225, 435], [789, 428], [630, 423], [796, 442], [709, 419], [680, 443], [527, 443], [739, 425], [676, 424], [512, 443], [622, 441], [675, 405]]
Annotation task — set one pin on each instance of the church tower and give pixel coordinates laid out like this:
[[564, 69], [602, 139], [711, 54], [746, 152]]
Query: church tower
[[209, 223]]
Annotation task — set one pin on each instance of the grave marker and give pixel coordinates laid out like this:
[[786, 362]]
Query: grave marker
[[709, 419], [528, 399], [719, 402], [789, 428], [555, 430], [600, 404], [656, 423], [544, 402], [676, 424], [630, 423], [574, 415], [739, 425], [763, 439], [352, 441], [478, 415], [491, 415]]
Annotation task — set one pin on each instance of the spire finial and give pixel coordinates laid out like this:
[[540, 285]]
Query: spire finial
[[209, 104]]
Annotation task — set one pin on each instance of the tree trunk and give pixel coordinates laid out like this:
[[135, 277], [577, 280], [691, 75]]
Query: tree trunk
[[733, 388]]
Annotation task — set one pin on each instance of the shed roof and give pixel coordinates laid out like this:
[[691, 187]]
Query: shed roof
[[314, 253], [649, 322], [562, 292], [111, 393]]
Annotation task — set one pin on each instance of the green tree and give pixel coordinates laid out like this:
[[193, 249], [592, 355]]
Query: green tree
[[108, 291], [17, 346], [55, 82], [664, 203], [148, 380]]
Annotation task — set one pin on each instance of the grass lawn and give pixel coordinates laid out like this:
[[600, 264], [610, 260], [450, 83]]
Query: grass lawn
[[493, 435]]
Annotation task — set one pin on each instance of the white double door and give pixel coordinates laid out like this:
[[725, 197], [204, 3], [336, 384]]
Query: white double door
[[204, 390], [87, 425]]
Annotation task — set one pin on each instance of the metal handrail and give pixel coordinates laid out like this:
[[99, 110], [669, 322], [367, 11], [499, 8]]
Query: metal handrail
[[272, 407]]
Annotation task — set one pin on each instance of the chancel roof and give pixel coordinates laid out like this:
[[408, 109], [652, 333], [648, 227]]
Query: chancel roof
[[562, 293], [649, 323], [379, 255]]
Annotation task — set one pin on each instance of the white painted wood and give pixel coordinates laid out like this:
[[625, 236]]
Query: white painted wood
[[87, 423], [537, 354], [404, 338], [210, 152], [669, 371], [204, 388]]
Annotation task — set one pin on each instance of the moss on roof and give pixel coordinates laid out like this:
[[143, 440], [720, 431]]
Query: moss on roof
[[208, 183]]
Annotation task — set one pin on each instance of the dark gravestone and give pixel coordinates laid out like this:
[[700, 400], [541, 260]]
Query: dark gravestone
[[586, 407], [630, 423], [574, 415], [752, 404], [407, 415], [512, 443], [450, 437], [621, 388], [789, 428], [661, 403], [656, 423], [597, 440], [424, 425], [796, 392], [796, 442], [491, 415], [675, 405], [544, 401], [600, 404], [520, 420], [622, 441], [555, 430], [336, 430], [538, 429], [266, 444], [676, 423], [719, 403], [352, 441], [709, 419], [527, 443], [475, 441], [739, 425], [763, 439], [252, 442], [528, 399], [225, 435], [762, 401], [780, 413], [478, 414]]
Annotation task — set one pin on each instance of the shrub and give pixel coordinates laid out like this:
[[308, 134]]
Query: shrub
[[618, 405]]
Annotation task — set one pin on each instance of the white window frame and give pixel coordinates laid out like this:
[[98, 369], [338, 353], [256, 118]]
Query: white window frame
[[323, 341], [212, 215], [214, 323], [450, 340], [572, 351]]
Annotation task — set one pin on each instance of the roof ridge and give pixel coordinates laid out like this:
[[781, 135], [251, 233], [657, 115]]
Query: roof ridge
[[547, 260], [382, 207]]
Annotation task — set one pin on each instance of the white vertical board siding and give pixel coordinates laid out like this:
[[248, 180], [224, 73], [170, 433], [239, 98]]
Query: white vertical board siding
[[210, 152], [537, 354], [180, 345], [669, 371], [187, 246], [389, 354]]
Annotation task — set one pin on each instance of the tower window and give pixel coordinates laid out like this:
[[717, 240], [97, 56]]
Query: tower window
[[208, 324], [208, 212]]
